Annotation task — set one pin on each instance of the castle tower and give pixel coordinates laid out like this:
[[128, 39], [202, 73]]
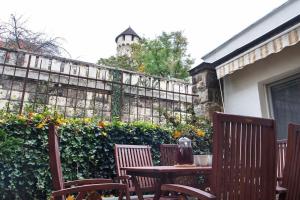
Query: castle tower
[[124, 41]]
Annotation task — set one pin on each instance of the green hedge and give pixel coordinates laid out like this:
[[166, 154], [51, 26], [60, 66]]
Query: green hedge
[[86, 150]]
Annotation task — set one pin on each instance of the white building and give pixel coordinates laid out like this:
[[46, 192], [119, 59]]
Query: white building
[[125, 40], [259, 68]]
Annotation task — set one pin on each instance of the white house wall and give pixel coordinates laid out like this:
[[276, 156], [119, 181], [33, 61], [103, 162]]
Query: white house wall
[[245, 90]]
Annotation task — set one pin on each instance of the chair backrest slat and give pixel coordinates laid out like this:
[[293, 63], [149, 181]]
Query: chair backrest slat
[[291, 173], [54, 156], [281, 154], [134, 156], [244, 157]]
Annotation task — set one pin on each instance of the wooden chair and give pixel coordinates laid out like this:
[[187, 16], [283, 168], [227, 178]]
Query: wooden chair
[[80, 188], [244, 160], [168, 157], [134, 156], [281, 153], [291, 173]]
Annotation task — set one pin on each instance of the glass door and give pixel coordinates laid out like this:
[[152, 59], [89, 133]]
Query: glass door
[[285, 100]]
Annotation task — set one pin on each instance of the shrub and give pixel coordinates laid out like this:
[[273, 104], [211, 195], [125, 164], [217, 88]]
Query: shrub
[[86, 150]]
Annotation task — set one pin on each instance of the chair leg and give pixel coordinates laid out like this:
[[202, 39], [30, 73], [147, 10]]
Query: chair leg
[[120, 195], [127, 193]]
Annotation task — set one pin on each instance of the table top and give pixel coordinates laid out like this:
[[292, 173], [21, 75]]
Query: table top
[[167, 169]]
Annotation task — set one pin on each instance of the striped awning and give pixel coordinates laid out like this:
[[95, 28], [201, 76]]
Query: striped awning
[[273, 45]]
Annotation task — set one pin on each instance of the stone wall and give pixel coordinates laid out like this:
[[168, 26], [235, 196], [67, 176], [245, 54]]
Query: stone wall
[[82, 89], [207, 89]]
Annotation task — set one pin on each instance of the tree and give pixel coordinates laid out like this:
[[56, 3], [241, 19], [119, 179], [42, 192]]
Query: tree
[[124, 62], [15, 35], [166, 56]]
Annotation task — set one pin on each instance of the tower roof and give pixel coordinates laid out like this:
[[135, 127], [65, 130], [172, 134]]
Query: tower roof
[[128, 31]]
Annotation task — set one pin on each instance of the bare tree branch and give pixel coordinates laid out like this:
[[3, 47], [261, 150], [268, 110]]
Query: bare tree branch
[[14, 34]]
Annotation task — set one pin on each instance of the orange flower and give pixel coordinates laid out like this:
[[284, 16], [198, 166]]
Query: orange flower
[[177, 134], [70, 197], [101, 124], [30, 115], [200, 133]]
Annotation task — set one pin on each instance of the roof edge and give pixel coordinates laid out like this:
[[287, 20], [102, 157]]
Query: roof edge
[[259, 40], [251, 26], [201, 67], [128, 31]]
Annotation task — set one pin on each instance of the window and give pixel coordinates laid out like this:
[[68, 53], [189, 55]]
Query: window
[[285, 100]]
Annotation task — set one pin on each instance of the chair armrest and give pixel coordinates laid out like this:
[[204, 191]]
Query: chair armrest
[[124, 178], [190, 191], [88, 188], [281, 190], [87, 181]]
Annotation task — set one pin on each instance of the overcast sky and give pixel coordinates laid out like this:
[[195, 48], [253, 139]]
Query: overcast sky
[[89, 27]]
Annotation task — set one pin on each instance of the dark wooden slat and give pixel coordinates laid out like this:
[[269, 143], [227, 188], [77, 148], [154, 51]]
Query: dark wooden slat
[[248, 178], [252, 163], [226, 182], [232, 164], [281, 154], [291, 173], [243, 161], [237, 172]]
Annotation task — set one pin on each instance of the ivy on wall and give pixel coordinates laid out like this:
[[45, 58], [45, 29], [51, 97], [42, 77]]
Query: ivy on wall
[[86, 149], [116, 101]]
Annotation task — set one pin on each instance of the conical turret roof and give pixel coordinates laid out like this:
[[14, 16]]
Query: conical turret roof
[[128, 31]]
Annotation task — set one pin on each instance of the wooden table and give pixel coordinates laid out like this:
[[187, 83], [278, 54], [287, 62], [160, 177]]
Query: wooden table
[[164, 174]]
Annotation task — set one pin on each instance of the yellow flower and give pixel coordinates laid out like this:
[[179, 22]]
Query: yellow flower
[[141, 68], [70, 197], [104, 134], [21, 118], [41, 125], [200, 133], [101, 124], [2, 121], [177, 134], [87, 120], [60, 121]]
